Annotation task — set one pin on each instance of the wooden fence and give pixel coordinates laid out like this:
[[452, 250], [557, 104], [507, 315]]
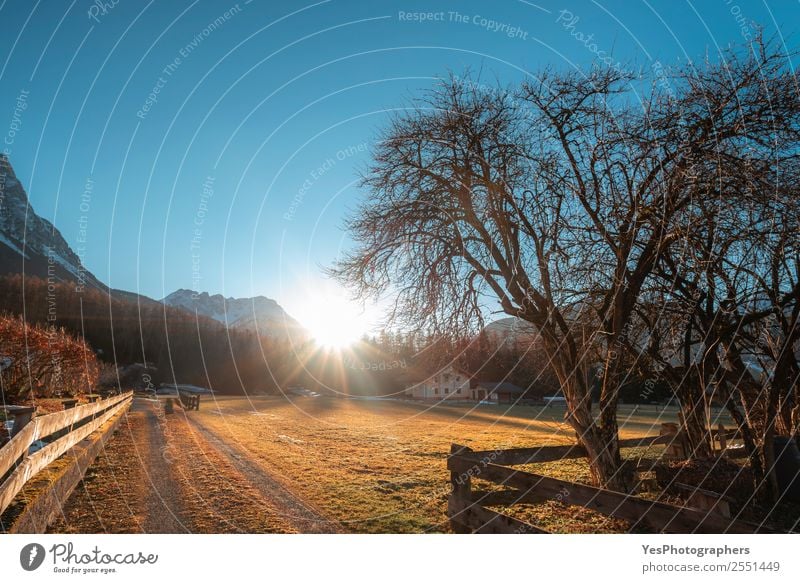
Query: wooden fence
[[468, 512], [60, 432]]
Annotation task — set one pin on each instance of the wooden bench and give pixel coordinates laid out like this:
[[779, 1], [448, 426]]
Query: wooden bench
[[188, 401]]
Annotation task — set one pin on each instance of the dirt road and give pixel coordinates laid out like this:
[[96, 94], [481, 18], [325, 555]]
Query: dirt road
[[168, 474]]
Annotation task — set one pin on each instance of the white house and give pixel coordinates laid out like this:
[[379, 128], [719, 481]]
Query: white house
[[448, 383]]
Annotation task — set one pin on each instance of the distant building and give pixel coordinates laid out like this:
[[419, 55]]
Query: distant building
[[456, 384], [448, 383], [496, 392]]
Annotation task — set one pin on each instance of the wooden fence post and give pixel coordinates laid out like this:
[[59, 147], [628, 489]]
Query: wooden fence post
[[676, 449], [461, 495], [68, 404], [22, 416]]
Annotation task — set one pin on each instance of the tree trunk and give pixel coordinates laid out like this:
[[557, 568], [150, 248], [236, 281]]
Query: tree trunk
[[748, 438], [693, 411], [600, 439], [692, 416], [769, 488]]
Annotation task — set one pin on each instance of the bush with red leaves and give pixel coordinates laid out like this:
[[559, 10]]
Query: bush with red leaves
[[42, 361]]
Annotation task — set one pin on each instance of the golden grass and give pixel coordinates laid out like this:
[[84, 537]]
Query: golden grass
[[380, 466]]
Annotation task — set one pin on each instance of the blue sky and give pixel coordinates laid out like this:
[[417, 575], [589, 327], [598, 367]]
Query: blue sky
[[236, 177]]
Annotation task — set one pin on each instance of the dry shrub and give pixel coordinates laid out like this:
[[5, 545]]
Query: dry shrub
[[43, 361]]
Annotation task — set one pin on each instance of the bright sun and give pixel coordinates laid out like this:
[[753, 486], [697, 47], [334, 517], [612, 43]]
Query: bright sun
[[334, 320]]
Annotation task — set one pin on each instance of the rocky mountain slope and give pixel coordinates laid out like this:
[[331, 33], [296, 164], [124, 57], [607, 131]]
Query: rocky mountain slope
[[260, 313], [31, 245]]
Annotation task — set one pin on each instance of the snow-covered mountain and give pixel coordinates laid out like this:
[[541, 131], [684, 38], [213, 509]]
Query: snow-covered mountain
[[260, 314], [29, 244]]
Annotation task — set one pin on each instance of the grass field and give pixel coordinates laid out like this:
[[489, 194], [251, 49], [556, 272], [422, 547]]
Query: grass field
[[380, 465]]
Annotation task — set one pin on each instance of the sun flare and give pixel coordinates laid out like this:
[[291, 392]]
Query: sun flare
[[334, 320]]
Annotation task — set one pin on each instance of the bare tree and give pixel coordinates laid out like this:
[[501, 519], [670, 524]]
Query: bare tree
[[735, 270], [533, 199], [564, 200]]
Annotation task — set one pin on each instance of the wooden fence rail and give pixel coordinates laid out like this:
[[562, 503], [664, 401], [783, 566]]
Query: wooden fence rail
[[65, 429], [550, 453], [468, 513]]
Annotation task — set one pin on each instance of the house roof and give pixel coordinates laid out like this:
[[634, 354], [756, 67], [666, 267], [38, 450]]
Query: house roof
[[500, 387], [417, 375], [453, 368], [412, 375]]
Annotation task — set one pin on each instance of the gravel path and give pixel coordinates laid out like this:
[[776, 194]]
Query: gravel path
[[111, 495], [163, 474], [165, 509]]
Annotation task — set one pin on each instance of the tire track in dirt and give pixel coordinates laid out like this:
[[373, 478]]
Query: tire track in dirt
[[221, 498], [130, 487], [301, 514], [165, 508], [159, 474]]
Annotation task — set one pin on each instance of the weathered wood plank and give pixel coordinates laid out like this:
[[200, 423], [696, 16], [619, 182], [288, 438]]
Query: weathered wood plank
[[16, 448], [480, 520], [550, 453], [461, 489], [658, 516], [530, 455], [46, 425], [507, 497], [22, 416], [706, 500], [49, 424], [44, 508], [31, 465], [646, 441]]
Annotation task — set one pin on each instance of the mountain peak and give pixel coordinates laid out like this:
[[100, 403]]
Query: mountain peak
[[30, 244], [259, 313], [184, 294]]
